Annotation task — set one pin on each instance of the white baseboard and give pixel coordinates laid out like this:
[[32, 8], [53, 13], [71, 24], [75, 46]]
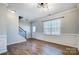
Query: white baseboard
[[16, 42]]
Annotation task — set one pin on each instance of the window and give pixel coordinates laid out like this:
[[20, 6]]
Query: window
[[34, 29], [52, 27]]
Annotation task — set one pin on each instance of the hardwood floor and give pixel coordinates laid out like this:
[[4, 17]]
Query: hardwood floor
[[37, 47]]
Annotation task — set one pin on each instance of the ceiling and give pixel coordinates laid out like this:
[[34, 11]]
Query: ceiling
[[31, 12]]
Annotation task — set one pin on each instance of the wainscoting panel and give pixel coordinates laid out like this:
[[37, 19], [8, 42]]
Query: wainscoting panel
[[3, 43], [64, 39]]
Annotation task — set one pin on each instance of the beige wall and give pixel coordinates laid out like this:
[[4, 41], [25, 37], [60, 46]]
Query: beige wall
[[68, 28], [78, 18], [77, 42]]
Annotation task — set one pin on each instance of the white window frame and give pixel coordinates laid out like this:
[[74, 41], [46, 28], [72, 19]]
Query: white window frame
[[33, 29], [51, 27]]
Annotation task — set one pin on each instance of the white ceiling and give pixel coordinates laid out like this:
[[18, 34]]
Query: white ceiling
[[30, 11]]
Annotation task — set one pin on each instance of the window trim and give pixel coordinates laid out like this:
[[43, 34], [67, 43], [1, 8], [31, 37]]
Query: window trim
[[51, 27], [34, 28]]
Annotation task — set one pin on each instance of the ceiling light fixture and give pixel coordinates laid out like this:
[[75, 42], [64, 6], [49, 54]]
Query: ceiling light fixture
[[12, 11], [43, 5]]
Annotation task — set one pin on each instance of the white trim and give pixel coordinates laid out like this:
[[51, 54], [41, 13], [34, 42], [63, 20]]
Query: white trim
[[16, 42], [60, 34], [3, 39], [3, 36]]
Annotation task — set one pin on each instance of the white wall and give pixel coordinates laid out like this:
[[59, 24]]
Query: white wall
[[68, 28], [3, 28], [3, 20], [12, 29]]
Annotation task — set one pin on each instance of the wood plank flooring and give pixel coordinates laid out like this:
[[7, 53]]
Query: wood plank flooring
[[37, 47]]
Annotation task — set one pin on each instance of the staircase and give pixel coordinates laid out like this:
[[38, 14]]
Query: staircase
[[22, 32]]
